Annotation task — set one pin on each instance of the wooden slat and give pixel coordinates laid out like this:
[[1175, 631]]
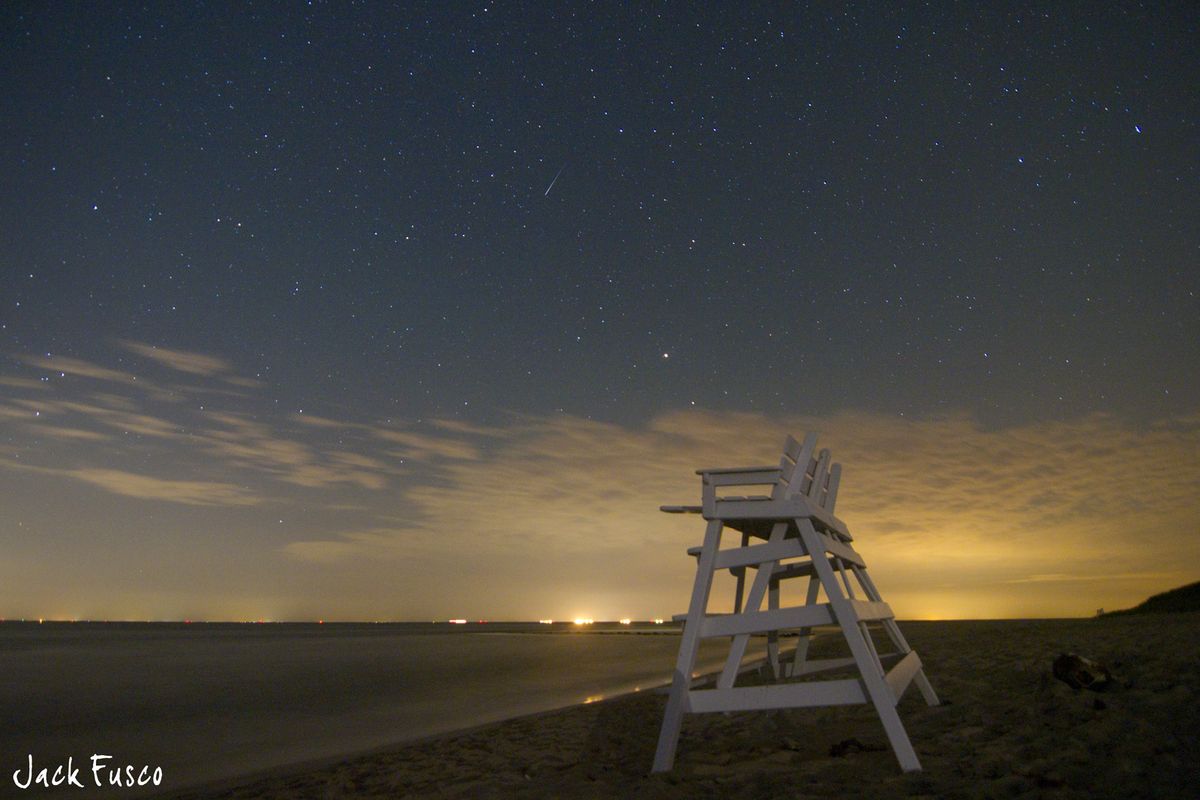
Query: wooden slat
[[760, 621], [775, 508], [786, 465], [736, 470], [787, 468], [801, 569], [804, 476], [829, 521], [785, 572], [785, 488], [681, 509], [758, 553], [823, 664], [868, 611], [785, 695], [902, 674], [820, 473], [842, 551], [835, 479]]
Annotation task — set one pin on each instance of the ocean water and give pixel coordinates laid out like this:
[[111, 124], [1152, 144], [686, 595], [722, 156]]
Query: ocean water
[[206, 702]]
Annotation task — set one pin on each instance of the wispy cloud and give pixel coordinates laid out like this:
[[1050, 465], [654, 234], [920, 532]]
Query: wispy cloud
[[114, 413], [317, 421], [191, 363], [381, 541], [73, 434], [249, 444], [214, 435], [77, 367], [423, 446], [144, 487], [181, 360], [23, 383]]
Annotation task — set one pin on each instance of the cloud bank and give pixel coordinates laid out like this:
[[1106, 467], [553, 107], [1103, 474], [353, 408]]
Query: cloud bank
[[557, 515], [954, 515]]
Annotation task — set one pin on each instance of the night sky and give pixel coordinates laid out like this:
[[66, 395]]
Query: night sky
[[372, 312]]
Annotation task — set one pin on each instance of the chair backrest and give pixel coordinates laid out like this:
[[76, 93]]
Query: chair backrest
[[802, 473]]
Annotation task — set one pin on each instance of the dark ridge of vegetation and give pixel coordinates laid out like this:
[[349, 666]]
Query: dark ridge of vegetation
[[1185, 598]]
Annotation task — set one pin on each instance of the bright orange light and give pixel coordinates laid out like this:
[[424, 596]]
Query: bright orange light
[[626, 621], [583, 621], [457, 621]]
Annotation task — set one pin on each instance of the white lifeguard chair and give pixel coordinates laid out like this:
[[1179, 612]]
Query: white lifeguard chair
[[802, 539]]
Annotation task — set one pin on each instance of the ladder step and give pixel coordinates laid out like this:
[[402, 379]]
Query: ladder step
[[780, 695], [842, 551], [760, 621], [684, 616], [822, 664], [801, 569], [902, 674], [758, 553], [866, 611]]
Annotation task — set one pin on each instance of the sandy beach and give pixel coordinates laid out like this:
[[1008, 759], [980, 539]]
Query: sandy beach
[[1006, 728]]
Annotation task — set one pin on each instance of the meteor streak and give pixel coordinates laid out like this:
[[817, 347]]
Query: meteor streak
[[551, 186]]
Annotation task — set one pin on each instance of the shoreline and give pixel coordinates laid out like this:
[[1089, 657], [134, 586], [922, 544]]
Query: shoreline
[[221, 786], [1006, 728]]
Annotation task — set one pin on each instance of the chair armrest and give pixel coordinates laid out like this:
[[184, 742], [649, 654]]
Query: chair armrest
[[755, 477], [736, 470], [680, 509]]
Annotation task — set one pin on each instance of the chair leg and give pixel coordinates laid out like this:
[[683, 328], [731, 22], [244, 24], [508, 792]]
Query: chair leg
[[893, 631], [869, 667], [689, 645]]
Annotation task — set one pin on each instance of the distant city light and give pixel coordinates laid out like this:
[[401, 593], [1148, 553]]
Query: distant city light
[[546, 621], [658, 621], [626, 621], [583, 621], [457, 621]]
